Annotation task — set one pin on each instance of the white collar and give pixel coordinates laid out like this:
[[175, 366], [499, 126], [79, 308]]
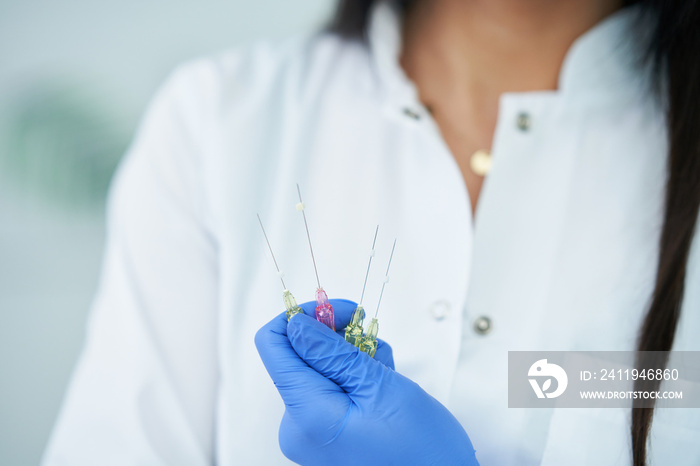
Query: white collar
[[601, 60]]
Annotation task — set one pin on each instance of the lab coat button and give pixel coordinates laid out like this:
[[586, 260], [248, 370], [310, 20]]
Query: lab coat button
[[482, 325], [523, 121], [439, 310], [411, 113]]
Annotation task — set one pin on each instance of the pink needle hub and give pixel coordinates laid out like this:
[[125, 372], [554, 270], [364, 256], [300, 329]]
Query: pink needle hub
[[324, 310]]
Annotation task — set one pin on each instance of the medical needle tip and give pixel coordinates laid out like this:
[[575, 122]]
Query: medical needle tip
[[271, 253], [301, 208], [386, 279]]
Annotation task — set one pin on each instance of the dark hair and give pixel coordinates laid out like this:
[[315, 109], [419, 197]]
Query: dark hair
[[670, 38]]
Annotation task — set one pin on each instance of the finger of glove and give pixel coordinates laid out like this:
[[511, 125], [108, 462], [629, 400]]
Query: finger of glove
[[329, 354], [293, 378], [342, 311]]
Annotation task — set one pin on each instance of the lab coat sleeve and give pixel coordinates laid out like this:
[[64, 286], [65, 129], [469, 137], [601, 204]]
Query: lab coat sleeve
[[144, 390]]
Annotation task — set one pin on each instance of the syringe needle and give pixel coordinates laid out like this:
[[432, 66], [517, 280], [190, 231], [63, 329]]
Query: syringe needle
[[271, 253], [353, 332], [289, 302], [324, 310], [386, 279], [371, 255], [369, 342], [301, 208]]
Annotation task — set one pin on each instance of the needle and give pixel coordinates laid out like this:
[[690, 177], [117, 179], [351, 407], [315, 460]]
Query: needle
[[386, 280], [324, 310], [353, 332], [301, 207], [289, 302], [272, 253], [369, 342], [371, 255]]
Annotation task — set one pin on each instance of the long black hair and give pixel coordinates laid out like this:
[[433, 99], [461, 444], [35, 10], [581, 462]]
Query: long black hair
[[669, 34]]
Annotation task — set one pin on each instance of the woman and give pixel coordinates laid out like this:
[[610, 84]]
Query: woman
[[576, 237]]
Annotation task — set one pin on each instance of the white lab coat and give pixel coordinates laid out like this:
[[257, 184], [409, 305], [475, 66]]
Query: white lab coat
[[561, 256]]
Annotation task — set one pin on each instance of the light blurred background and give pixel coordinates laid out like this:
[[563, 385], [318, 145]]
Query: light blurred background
[[75, 76]]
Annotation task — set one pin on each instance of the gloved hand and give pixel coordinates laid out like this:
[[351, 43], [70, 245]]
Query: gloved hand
[[345, 408]]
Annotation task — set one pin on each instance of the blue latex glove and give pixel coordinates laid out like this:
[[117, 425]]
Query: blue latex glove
[[345, 408]]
